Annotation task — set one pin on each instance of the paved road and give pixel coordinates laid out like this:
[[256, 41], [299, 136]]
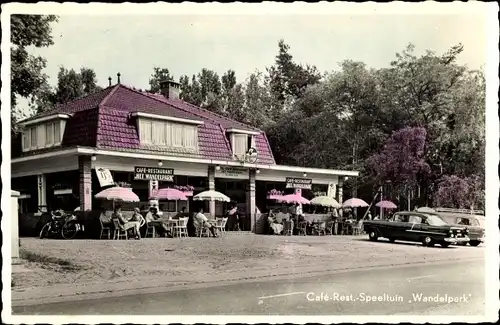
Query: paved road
[[399, 290]]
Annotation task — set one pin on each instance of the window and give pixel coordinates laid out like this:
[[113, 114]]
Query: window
[[43, 135], [240, 144], [168, 134]]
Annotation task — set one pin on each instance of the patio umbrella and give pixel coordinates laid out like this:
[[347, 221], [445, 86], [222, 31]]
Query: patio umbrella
[[354, 203], [293, 199], [325, 201], [426, 210], [118, 193], [386, 205], [169, 194], [274, 194], [211, 195]]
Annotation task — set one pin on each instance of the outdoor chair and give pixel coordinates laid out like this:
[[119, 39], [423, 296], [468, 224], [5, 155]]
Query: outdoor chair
[[181, 227], [221, 225], [150, 230], [303, 228], [105, 225], [358, 228], [120, 232], [329, 227], [320, 229], [201, 230], [288, 228], [345, 227]]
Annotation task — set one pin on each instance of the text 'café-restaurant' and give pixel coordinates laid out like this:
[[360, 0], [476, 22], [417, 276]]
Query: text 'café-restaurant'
[[120, 135]]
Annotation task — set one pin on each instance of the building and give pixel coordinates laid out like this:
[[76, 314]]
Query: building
[[120, 134]]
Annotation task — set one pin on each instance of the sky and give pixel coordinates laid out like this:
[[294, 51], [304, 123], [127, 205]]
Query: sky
[[134, 44]]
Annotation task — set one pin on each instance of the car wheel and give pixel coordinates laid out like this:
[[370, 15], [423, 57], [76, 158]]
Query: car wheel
[[445, 245], [474, 243], [372, 234], [392, 240], [427, 241]]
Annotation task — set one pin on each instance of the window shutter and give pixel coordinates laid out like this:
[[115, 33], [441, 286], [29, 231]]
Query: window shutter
[[26, 139], [33, 138], [145, 131], [57, 133], [240, 144], [157, 133], [253, 140], [190, 135], [168, 134], [49, 133], [40, 129], [62, 127], [177, 135]]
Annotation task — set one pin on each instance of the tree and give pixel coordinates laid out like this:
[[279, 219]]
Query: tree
[[402, 160], [26, 69], [457, 192], [287, 79], [70, 86], [159, 75]]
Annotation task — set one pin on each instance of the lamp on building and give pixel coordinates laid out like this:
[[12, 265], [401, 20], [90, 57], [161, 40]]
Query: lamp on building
[[93, 158], [217, 167], [346, 178], [257, 171], [305, 174], [160, 163]]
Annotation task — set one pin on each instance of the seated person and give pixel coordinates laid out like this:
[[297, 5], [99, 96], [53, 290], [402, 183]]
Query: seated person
[[200, 220], [137, 216], [275, 228], [181, 214], [134, 225], [153, 216]]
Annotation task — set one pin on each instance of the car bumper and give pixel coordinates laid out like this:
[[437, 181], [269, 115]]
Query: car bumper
[[457, 240]]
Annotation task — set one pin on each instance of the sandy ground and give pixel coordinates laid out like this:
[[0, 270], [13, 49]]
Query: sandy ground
[[201, 259]]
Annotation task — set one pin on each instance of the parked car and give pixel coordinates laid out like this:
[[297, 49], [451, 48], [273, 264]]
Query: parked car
[[429, 229], [472, 222]]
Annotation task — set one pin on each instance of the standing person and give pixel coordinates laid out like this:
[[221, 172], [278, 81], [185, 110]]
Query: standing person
[[232, 215]]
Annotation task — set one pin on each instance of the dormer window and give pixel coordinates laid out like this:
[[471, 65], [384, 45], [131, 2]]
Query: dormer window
[[241, 141], [166, 131], [43, 132]]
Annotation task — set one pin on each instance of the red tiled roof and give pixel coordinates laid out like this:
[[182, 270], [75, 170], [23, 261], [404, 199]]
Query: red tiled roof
[[103, 120], [225, 122]]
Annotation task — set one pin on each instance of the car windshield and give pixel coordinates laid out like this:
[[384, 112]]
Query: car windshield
[[435, 220]]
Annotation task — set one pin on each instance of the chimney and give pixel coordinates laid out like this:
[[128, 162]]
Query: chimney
[[118, 75], [109, 79], [170, 89]]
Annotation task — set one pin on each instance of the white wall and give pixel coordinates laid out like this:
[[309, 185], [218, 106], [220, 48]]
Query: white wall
[[281, 175], [128, 164], [44, 166]]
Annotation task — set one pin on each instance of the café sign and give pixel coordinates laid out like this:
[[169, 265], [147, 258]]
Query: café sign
[[154, 174], [302, 183], [232, 171]]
